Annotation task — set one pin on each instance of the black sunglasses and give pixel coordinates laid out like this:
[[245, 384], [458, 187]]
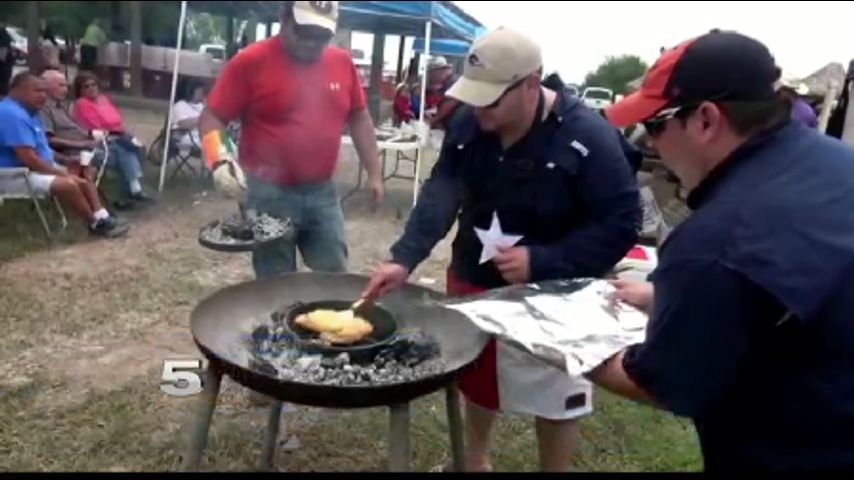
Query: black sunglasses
[[509, 89], [655, 126], [308, 33]]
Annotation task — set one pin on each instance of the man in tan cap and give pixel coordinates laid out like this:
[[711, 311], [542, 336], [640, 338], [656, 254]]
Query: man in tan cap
[[294, 95], [543, 189]]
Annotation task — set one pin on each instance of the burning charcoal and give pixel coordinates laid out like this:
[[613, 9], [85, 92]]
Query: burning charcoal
[[308, 363], [328, 362], [342, 360]]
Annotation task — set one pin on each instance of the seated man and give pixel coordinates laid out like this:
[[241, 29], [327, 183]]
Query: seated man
[[24, 144], [67, 137]]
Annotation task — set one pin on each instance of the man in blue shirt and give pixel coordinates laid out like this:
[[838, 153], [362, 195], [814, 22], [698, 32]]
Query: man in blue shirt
[[543, 189], [23, 144], [751, 329]]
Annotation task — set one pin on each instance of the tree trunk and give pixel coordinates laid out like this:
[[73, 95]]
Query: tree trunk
[[136, 48], [35, 57]]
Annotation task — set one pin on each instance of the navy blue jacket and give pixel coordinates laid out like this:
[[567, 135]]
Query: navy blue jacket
[[752, 333], [567, 186]]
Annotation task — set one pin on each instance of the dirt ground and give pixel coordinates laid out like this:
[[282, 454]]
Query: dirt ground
[[87, 326]]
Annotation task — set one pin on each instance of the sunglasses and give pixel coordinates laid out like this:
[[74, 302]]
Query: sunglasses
[[509, 89], [656, 125], [308, 33], [87, 86]]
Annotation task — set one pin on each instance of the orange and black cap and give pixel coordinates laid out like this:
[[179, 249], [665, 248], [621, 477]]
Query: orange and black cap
[[717, 66]]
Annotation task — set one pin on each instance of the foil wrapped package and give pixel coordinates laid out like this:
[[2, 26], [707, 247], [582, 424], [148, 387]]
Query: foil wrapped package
[[572, 324]]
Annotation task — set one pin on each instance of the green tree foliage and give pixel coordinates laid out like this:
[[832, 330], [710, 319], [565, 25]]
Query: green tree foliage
[[616, 73]]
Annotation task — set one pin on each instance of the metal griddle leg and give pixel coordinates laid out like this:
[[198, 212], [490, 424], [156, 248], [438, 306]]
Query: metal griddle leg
[[455, 427], [202, 423], [272, 437], [399, 451]]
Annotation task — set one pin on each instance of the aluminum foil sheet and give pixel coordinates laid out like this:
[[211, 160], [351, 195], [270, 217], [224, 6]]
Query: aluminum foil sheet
[[571, 324]]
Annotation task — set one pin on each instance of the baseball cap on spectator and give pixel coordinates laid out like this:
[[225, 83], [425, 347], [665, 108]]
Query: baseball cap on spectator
[[437, 63], [719, 65], [497, 61], [320, 14]]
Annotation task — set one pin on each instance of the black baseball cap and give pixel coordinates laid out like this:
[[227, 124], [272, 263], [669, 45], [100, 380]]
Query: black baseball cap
[[719, 65]]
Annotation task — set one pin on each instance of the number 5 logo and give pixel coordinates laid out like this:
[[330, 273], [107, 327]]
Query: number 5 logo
[[181, 378]]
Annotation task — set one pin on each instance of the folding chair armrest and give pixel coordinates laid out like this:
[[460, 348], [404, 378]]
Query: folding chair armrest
[[17, 172]]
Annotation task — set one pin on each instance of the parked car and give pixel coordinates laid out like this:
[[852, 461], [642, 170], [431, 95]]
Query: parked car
[[19, 44], [597, 98]]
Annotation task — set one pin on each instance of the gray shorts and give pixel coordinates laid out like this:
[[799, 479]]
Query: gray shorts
[[16, 185]]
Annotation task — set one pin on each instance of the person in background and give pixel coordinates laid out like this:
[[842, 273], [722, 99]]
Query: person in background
[[750, 332], [94, 39], [7, 59], [440, 78], [801, 110], [186, 113], [402, 107], [294, 94], [23, 144], [50, 48], [523, 161], [67, 137]]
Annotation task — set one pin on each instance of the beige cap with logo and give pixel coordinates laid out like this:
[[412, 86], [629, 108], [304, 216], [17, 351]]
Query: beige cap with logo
[[321, 14], [496, 61]]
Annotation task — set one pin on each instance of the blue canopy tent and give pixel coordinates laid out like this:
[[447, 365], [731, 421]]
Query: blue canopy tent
[[409, 18], [443, 46]]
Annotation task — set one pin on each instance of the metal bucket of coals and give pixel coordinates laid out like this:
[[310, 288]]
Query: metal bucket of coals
[[238, 234], [362, 349]]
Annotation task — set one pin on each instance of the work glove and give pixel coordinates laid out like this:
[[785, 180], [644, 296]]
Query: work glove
[[229, 179], [227, 175]]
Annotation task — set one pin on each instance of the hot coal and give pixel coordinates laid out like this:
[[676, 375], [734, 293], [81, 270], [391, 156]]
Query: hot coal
[[237, 230], [408, 358]]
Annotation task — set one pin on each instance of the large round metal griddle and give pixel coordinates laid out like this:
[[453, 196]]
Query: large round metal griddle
[[221, 323]]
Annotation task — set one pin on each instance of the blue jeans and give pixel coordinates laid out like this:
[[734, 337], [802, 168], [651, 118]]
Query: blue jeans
[[315, 211], [124, 160]]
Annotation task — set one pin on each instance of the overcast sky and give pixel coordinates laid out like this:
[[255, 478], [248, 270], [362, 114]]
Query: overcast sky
[[577, 36]]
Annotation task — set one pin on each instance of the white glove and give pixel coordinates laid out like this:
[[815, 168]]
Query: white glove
[[229, 179]]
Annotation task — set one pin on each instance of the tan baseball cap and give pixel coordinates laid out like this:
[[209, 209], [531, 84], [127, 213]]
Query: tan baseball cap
[[496, 61], [321, 14]]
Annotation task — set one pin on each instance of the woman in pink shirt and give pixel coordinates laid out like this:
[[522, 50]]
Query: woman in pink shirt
[[93, 110]]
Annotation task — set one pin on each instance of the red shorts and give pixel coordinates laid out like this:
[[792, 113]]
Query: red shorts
[[479, 382]]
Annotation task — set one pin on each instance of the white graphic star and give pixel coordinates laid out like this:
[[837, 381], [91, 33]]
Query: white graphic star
[[493, 239]]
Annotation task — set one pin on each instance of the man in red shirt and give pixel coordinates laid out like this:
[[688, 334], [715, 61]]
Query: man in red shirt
[[294, 95]]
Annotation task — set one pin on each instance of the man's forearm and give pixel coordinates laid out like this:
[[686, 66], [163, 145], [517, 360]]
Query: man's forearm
[[613, 377], [209, 122], [32, 161], [365, 141]]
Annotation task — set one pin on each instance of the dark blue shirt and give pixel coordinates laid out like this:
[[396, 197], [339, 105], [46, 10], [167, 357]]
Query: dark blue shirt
[[752, 332], [567, 187]]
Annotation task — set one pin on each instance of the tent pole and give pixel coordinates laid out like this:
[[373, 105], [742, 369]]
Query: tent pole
[[167, 135], [424, 133], [400, 52]]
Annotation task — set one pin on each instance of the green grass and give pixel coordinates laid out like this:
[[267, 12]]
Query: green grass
[[137, 429]]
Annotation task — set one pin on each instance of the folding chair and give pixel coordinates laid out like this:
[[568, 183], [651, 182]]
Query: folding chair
[[177, 154], [22, 173]]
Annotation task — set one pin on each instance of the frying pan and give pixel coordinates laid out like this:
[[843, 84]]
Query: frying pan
[[221, 322], [364, 351]]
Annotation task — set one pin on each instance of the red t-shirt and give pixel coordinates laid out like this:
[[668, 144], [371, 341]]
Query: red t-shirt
[[292, 114]]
